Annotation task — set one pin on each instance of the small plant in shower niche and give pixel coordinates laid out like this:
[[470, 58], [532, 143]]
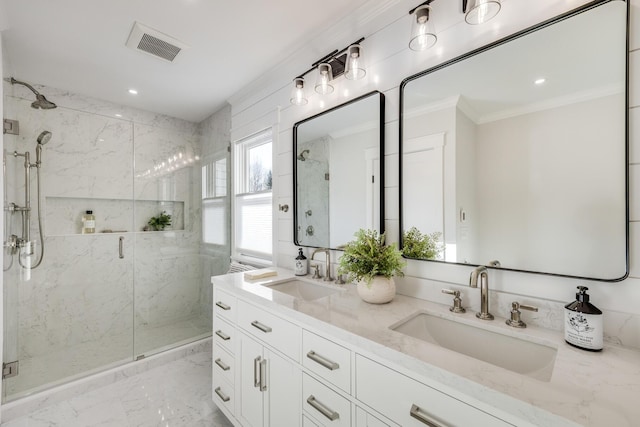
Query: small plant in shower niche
[[159, 223]]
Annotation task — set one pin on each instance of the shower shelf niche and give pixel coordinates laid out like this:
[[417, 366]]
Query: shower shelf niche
[[63, 215]]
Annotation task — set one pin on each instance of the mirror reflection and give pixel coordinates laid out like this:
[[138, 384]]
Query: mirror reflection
[[517, 153], [338, 172]]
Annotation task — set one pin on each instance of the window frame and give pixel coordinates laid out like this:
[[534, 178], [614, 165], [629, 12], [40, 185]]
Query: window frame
[[240, 191]]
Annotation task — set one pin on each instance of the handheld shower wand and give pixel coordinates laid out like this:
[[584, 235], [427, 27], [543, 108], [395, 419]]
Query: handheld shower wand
[[43, 138]]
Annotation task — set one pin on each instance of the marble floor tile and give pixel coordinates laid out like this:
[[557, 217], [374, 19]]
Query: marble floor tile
[[177, 394]]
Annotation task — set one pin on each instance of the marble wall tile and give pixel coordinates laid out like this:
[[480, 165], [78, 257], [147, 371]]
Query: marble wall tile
[[83, 294]]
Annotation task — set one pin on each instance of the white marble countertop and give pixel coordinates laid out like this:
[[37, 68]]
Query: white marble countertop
[[585, 388]]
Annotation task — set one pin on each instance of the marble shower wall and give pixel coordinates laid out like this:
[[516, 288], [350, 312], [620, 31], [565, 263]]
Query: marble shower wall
[[126, 169]]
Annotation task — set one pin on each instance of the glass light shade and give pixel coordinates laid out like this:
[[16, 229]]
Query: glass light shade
[[354, 69], [423, 35], [480, 11], [298, 96], [325, 75]]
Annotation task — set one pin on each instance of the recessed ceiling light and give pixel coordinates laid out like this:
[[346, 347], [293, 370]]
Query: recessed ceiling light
[[133, 91], [540, 81], [118, 115]]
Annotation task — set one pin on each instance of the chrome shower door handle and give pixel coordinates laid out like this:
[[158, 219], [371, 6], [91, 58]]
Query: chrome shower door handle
[[121, 247]]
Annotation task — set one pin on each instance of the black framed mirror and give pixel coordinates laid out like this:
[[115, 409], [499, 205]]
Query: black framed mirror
[[517, 152], [338, 173]]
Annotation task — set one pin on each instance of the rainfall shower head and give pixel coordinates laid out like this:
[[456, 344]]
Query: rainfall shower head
[[301, 157], [41, 102], [44, 137]]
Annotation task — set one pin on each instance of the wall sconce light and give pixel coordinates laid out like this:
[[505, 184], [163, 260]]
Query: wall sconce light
[[480, 11], [347, 61], [354, 70], [423, 36], [325, 75], [298, 96]]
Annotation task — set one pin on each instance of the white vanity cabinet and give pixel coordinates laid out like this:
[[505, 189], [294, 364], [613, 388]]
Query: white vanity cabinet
[[269, 386], [411, 403], [272, 371], [223, 352]]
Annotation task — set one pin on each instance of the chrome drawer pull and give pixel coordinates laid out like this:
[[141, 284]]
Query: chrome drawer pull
[[256, 367], [424, 418], [264, 328], [221, 395], [263, 375], [318, 406], [223, 335], [222, 365], [223, 305], [322, 361]]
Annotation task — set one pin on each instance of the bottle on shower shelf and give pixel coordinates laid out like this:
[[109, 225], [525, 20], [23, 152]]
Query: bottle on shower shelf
[[88, 223]]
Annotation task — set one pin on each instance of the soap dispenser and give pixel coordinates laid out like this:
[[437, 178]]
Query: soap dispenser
[[302, 264], [583, 326]]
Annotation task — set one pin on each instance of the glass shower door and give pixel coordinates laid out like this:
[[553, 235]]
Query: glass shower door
[[172, 279], [71, 315]]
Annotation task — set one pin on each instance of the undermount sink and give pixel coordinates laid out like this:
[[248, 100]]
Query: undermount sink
[[304, 290], [515, 354]]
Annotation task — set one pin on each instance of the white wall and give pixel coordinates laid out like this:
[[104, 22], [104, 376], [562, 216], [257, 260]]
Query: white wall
[[389, 61]]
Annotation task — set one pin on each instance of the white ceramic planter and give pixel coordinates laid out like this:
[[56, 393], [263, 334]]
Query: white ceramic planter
[[380, 291]]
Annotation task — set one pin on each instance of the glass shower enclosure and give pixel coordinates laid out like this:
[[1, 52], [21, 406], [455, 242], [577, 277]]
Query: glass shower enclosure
[[137, 286]]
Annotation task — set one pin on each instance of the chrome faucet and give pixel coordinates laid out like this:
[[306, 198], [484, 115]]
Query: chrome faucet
[[327, 273], [483, 273]]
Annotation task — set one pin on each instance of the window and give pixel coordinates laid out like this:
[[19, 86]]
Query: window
[[253, 205], [214, 195]]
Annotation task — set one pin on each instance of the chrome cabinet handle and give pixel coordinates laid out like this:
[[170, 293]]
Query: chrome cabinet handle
[[223, 335], [264, 328], [223, 305], [222, 365], [121, 247], [329, 364], [222, 396], [256, 367], [424, 418], [324, 410], [263, 375]]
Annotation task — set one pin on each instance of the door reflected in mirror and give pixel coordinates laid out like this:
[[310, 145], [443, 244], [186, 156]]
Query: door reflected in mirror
[[338, 164], [517, 153]]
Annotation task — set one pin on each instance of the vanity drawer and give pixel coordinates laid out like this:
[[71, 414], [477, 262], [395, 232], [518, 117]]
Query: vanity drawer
[[276, 332], [224, 335], [223, 364], [398, 397], [324, 405], [329, 360], [223, 395], [225, 305]]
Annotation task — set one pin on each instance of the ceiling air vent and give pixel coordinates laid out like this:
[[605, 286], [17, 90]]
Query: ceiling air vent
[[154, 42]]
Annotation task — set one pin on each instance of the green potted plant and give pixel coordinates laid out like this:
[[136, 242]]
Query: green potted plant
[[372, 264], [160, 222], [421, 246]]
